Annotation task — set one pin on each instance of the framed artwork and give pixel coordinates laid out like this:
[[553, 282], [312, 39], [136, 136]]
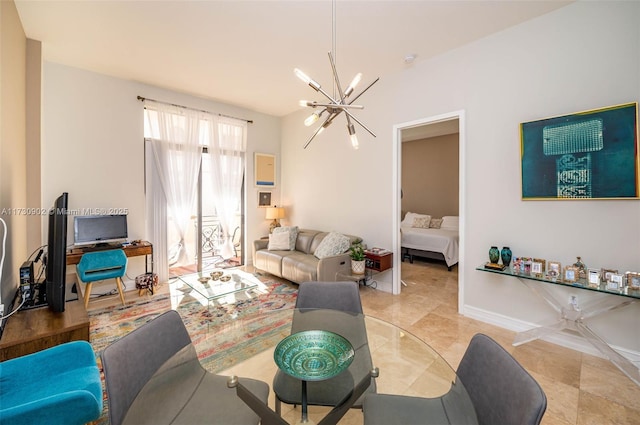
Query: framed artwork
[[265, 170], [594, 278], [570, 274], [554, 269], [633, 281], [607, 273], [264, 199], [585, 155], [615, 283]]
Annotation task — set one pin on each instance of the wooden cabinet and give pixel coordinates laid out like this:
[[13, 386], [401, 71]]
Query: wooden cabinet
[[379, 262], [29, 331]]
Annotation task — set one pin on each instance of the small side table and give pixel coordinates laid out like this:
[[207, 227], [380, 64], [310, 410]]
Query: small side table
[[375, 262]]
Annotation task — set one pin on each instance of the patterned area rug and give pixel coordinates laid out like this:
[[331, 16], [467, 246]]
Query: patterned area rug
[[219, 340]]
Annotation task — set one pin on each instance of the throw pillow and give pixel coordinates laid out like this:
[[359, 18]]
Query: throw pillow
[[278, 241], [292, 232], [421, 221], [435, 223], [332, 244]]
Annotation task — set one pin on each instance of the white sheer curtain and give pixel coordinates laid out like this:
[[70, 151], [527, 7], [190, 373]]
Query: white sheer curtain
[[176, 152], [227, 143]]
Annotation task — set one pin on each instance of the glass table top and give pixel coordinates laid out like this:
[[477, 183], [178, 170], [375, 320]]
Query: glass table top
[[579, 283], [218, 284]]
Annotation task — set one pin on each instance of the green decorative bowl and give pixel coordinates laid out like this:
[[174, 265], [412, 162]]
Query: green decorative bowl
[[313, 355]]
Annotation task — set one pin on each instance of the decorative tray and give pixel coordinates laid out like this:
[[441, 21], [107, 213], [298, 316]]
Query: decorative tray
[[313, 355]]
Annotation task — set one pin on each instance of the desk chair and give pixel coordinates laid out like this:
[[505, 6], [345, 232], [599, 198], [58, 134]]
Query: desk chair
[[185, 392], [101, 265], [501, 390], [56, 386]]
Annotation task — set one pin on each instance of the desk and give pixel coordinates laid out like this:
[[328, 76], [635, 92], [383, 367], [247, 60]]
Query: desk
[[572, 316], [143, 248], [407, 365]]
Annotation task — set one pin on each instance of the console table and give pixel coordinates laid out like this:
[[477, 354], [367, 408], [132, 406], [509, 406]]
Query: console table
[[573, 316]]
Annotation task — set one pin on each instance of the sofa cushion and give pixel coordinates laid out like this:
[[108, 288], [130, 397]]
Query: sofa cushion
[[279, 241], [299, 267], [333, 244], [292, 232], [305, 239]]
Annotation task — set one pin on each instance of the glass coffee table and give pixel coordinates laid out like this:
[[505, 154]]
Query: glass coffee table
[[223, 286]]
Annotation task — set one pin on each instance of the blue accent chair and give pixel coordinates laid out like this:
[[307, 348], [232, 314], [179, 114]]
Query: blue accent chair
[[57, 386], [101, 265]]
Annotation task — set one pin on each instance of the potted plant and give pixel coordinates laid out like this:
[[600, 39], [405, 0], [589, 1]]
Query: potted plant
[[356, 252]]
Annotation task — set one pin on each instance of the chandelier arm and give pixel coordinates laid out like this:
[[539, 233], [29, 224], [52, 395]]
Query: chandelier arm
[[358, 121], [362, 92], [334, 105], [335, 76], [328, 96], [315, 133]]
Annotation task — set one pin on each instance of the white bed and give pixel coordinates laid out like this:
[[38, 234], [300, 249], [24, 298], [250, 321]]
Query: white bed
[[437, 243]]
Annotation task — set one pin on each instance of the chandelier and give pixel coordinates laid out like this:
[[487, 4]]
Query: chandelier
[[336, 104]]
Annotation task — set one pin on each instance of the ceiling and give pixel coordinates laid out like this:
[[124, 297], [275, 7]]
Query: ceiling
[[243, 52]]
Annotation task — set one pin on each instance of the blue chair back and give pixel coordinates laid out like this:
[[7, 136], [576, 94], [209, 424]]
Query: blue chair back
[[102, 265]]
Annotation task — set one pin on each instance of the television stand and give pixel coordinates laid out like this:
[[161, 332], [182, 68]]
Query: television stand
[[29, 331]]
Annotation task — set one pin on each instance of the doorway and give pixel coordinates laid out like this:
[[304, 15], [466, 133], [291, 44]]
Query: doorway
[[416, 130]]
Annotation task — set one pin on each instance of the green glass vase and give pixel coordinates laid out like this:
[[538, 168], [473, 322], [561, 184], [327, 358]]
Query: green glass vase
[[494, 254]]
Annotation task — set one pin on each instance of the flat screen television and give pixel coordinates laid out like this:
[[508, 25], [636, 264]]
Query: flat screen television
[[99, 229], [56, 270]]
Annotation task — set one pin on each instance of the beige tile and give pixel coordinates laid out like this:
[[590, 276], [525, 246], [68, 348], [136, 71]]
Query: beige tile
[[594, 410], [601, 378]]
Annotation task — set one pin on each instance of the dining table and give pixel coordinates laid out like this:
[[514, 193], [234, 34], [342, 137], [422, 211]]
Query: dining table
[[404, 364]]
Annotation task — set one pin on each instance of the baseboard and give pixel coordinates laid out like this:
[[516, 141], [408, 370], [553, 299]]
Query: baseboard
[[564, 339]]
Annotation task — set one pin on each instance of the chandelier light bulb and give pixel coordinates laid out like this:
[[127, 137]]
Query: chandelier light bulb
[[353, 136], [303, 103], [353, 84], [311, 119], [304, 77]]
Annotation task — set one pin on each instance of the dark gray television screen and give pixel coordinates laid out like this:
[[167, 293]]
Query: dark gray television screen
[[99, 229]]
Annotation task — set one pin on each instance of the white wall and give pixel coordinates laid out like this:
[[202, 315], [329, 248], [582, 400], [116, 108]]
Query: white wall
[[92, 145], [583, 56]]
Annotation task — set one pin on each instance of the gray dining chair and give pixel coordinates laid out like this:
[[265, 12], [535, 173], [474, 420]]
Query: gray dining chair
[[184, 393], [501, 391], [344, 297]]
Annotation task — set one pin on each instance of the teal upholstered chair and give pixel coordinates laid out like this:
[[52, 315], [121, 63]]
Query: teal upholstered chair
[[59, 385], [102, 265]]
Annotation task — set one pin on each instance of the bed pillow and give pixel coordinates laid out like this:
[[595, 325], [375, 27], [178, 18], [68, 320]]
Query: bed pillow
[[421, 221], [278, 241], [450, 222], [435, 223], [332, 244], [292, 232], [409, 217]]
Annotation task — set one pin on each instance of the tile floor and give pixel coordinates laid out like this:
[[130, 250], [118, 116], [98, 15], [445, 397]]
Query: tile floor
[[581, 389]]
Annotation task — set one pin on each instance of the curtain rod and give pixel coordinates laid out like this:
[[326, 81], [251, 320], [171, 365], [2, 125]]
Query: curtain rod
[[142, 99]]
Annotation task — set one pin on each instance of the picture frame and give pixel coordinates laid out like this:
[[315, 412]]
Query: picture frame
[[554, 269], [633, 281], [593, 278], [537, 267], [615, 283], [264, 199], [264, 170], [606, 274], [570, 274], [584, 155]]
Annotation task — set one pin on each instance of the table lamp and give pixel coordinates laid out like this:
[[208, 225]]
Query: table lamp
[[274, 213]]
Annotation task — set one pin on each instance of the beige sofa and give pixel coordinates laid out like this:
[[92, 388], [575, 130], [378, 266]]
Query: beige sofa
[[300, 265]]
